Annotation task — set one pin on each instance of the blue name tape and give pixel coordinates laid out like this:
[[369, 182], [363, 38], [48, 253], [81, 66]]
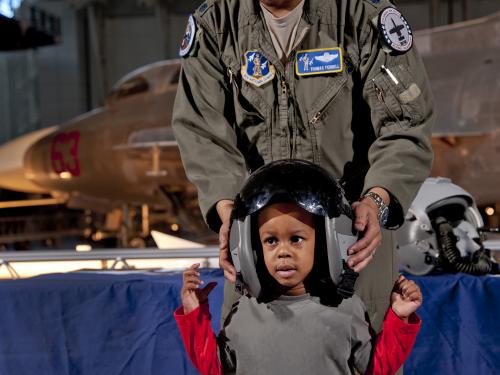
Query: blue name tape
[[318, 61]]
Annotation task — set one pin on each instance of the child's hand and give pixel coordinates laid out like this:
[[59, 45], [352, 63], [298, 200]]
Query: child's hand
[[191, 295], [406, 298]]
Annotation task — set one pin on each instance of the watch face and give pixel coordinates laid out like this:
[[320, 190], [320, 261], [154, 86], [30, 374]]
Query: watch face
[[384, 216]]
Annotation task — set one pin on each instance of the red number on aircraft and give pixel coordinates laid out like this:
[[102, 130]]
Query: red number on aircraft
[[64, 153]]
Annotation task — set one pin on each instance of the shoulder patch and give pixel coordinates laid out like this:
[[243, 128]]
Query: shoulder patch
[[394, 30], [202, 9], [374, 3], [188, 38]]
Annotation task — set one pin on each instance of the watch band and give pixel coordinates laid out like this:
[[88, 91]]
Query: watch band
[[383, 210]]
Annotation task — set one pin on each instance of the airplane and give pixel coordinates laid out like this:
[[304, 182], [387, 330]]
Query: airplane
[[124, 153]]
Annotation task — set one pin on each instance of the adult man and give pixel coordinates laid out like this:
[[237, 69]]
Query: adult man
[[360, 107]]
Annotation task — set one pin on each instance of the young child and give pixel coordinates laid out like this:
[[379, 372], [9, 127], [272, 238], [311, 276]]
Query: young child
[[290, 330]]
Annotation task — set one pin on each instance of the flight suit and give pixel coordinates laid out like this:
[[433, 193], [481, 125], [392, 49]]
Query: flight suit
[[368, 124]]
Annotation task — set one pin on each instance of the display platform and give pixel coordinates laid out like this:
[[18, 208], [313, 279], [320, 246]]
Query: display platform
[[92, 324]]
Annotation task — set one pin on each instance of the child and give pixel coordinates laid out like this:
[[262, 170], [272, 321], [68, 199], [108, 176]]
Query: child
[[289, 330]]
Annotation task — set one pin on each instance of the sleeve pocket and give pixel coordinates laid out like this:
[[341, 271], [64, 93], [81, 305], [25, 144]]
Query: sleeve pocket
[[401, 95]]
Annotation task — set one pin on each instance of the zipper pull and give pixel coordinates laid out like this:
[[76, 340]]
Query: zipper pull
[[283, 88], [380, 93], [315, 118], [231, 76]]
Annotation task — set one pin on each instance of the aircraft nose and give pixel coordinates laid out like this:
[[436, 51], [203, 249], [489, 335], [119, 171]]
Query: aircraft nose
[[13, 172]]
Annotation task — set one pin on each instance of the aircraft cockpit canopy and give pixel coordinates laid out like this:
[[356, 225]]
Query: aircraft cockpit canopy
[[133, 86]]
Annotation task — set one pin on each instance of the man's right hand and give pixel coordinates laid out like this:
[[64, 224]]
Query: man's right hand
[[224, 208]]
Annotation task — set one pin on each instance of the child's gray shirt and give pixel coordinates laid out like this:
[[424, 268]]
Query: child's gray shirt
[[296, 335]]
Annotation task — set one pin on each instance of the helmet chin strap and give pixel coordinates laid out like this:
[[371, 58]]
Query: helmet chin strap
[[339, 237]]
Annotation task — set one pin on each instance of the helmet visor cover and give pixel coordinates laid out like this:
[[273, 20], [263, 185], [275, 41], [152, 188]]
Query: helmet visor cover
[[300, 181]]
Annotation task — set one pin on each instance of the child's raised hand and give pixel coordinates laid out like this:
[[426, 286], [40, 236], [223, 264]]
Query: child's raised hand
[[191, 295], [406, 297]]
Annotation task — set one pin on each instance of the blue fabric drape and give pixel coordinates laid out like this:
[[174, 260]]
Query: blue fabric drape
[[460, 331], [92, 324]]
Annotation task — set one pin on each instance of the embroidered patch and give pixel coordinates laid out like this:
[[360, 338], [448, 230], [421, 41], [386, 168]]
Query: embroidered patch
[[257, 69], [203, 8], [318, 61], [188, 38], [395, 31]]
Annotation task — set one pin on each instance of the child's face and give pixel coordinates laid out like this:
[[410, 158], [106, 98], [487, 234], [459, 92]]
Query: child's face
[[287, 235]]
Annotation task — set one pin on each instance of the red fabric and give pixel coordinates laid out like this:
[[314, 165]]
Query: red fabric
[[199, 339], [392, 345]]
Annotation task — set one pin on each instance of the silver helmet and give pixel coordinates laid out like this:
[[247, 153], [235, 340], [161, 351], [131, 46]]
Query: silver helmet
[[441, 231]]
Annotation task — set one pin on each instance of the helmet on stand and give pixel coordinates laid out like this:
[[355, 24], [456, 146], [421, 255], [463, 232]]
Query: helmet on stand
[[440, 232]]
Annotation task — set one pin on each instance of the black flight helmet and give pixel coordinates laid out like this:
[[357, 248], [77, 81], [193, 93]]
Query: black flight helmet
[[309, 187]]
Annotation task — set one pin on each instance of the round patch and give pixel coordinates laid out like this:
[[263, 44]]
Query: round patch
[[188, 38], [395, 30]]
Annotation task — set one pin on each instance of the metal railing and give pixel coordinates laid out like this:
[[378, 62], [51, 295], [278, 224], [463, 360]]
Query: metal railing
[[118, 256]]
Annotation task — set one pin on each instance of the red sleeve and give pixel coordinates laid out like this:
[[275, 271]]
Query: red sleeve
[[393, 344], [199, 339]]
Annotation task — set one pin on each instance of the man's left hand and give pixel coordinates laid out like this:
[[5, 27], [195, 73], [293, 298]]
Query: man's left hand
[[365, 222]]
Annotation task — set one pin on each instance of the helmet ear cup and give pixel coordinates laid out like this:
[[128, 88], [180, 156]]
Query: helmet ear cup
[[339, 237], [244, 257]]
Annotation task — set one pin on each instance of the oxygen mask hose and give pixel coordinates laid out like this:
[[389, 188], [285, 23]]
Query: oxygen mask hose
[[453, 261]]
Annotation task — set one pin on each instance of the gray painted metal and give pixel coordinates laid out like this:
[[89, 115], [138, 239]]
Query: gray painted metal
[[107, 254]]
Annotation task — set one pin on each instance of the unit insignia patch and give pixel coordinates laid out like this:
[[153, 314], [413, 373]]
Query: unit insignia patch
[[395, 31], [257, 69], [188, 38]]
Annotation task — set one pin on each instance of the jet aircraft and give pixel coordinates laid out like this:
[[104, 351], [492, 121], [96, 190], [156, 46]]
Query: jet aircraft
[[124, 153]]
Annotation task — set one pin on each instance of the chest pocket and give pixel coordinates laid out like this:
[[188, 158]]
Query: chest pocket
[[400, 95], [250, 102], [252, 114], [317, 94]]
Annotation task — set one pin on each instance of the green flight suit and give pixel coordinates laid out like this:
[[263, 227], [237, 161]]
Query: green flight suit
[[358, 123]]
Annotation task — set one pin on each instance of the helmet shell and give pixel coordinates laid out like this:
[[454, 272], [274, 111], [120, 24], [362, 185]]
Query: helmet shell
[[309, 187]]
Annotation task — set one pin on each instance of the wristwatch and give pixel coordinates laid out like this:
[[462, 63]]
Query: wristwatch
[[383, 210]]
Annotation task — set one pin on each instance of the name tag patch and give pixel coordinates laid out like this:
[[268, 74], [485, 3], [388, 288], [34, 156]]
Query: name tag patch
[[257, 69], [318, 61]]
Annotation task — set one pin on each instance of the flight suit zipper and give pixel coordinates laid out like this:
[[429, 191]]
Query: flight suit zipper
[[317, 116], [288, 121], [381, 98], [284, 119]]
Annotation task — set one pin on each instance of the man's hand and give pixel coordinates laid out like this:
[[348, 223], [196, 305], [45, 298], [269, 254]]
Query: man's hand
[[224, 208], [406, 298], [367, 223], [191, 295]]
